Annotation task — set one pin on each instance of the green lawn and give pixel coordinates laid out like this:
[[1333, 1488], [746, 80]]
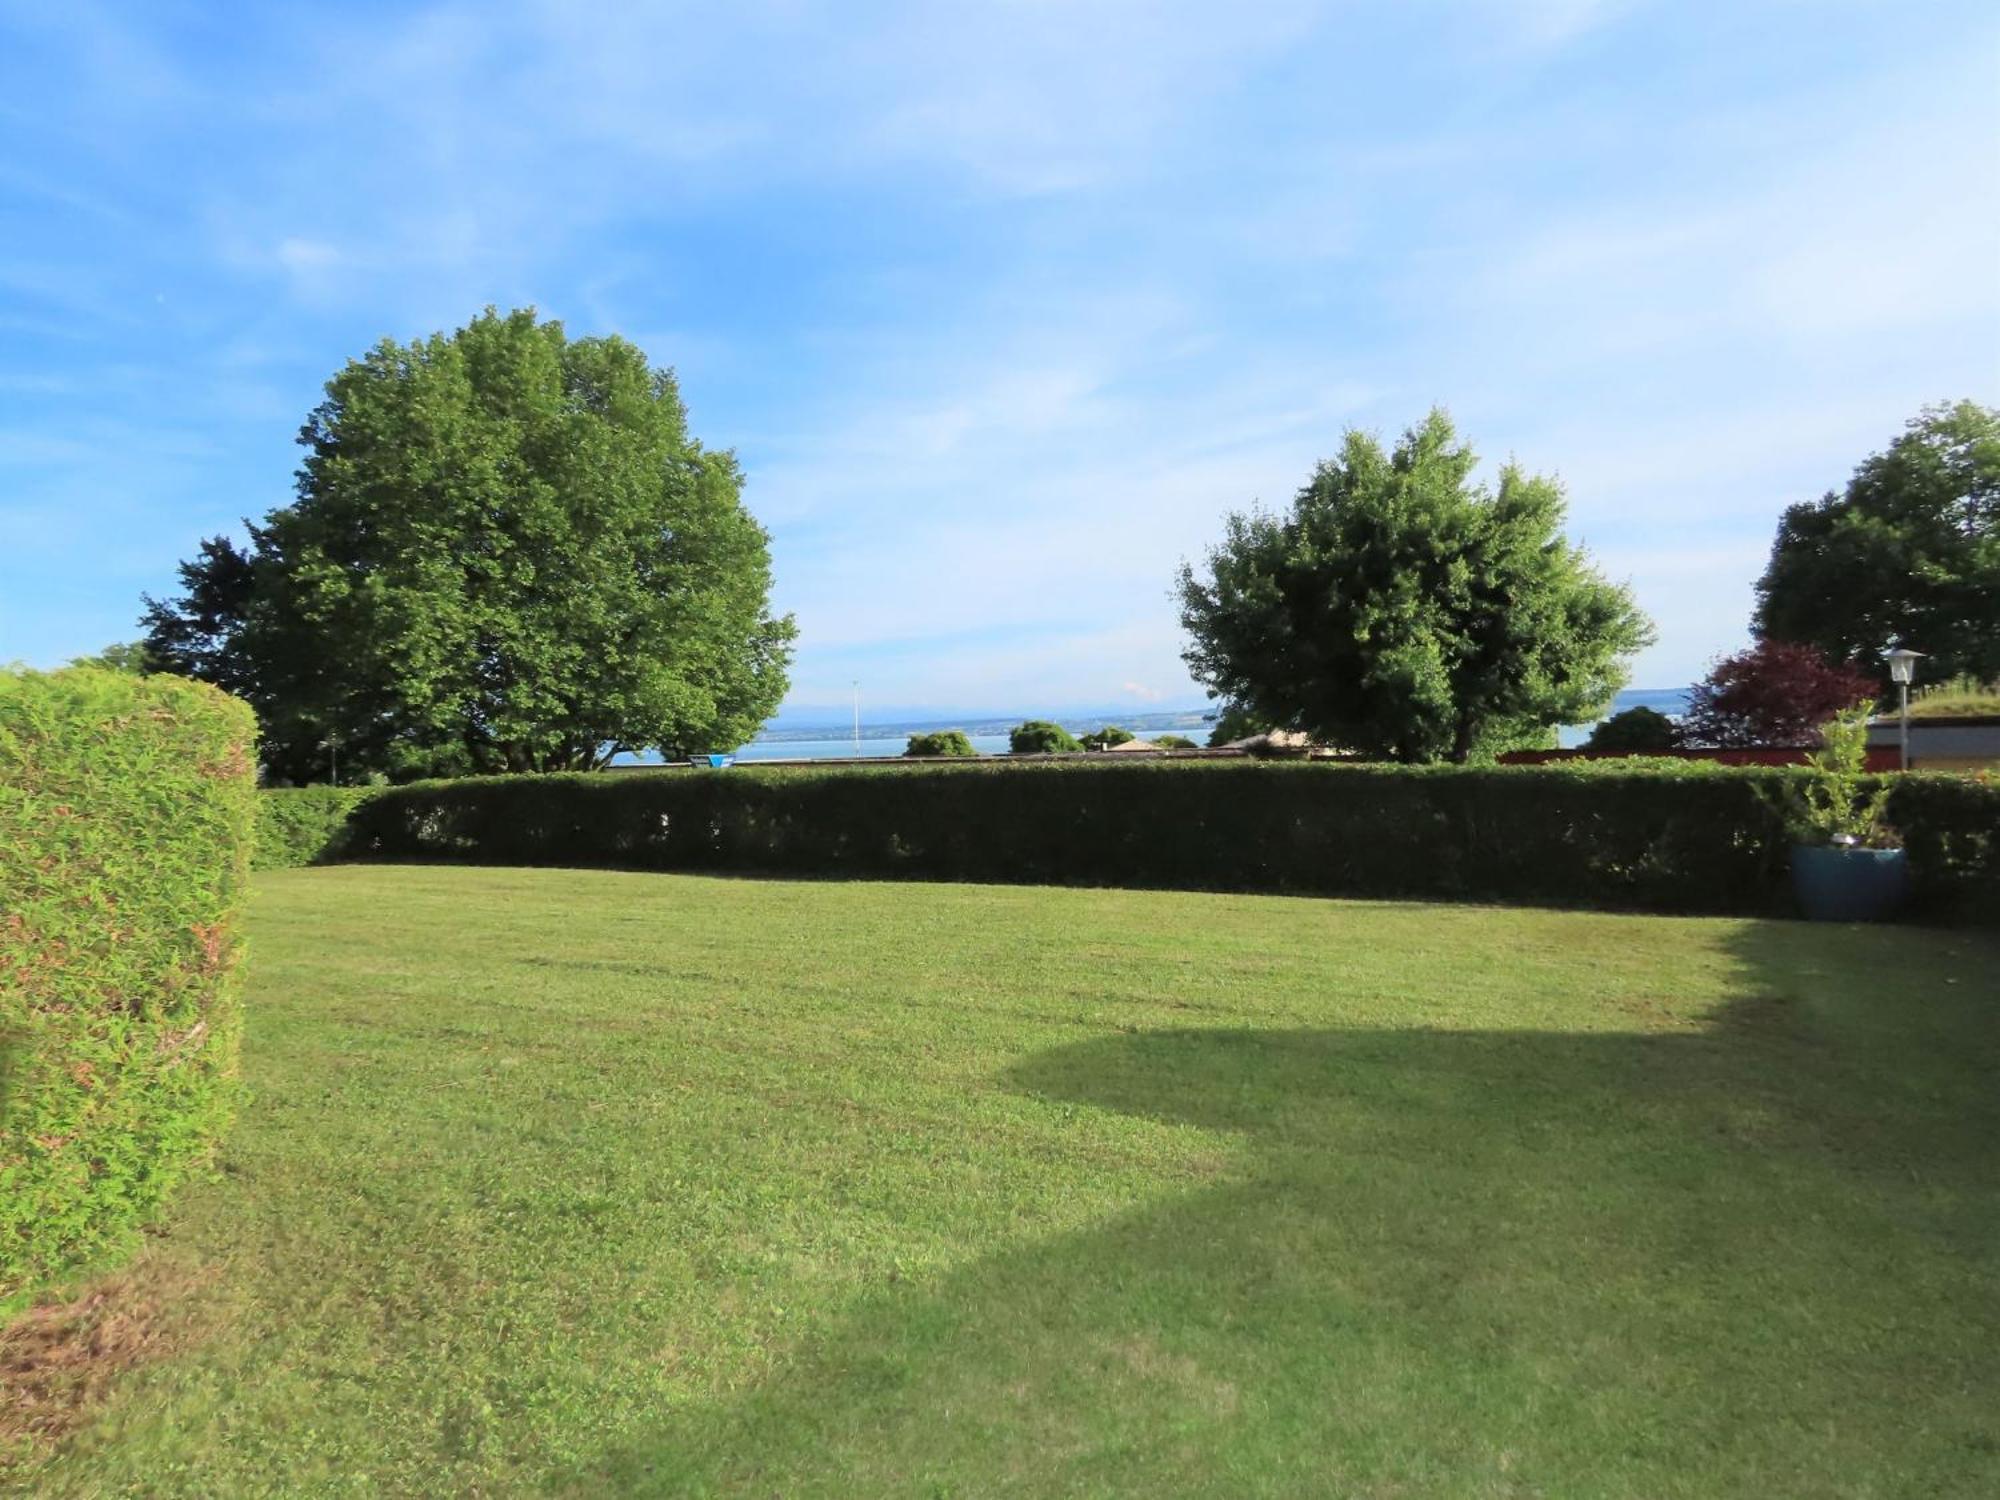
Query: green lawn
[[602, 1183]]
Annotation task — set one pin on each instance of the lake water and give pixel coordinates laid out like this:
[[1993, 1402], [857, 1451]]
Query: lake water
[[839, 749], [879, 742]]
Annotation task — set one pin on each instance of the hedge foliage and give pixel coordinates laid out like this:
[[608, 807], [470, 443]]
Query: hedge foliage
[[1951, 827], [304, 825], [127, 806], [1637, 834], [1675, 841]]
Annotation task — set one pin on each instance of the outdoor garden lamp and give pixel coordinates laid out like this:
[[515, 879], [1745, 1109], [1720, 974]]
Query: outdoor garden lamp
[[1902, 671]]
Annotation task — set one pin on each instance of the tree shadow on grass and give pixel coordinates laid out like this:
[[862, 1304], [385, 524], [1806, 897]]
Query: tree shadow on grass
[[1756, 1257]]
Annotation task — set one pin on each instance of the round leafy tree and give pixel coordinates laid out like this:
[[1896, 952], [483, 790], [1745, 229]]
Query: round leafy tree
[[1040, 737], [1173, 742], [1402, 609], [1635, 731], [506, 553], [1105, 738], [940, 742]]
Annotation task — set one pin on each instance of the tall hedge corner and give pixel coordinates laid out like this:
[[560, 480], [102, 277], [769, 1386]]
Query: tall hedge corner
[[127, 814], [304, 825]]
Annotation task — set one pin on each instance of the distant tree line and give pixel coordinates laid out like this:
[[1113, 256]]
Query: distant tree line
[[506, 552], [1037, 737]]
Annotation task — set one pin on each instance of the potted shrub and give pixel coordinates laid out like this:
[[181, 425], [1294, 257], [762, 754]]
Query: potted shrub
[[1847, 865]]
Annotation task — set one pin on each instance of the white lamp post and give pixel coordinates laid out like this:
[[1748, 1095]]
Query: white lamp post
[[1902, 671]]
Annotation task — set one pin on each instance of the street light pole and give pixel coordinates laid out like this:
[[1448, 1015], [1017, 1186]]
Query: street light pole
[[857, 718]]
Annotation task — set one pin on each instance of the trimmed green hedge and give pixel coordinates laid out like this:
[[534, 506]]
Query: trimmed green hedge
[[126, 812], [304, 825], [1658, 835], [1951, 827], [1688, 841]]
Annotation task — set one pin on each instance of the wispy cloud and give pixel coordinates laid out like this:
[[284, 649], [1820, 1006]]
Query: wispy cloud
[[1002, 306]]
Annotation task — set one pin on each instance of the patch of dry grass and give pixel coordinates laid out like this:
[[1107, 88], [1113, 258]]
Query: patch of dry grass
[[60, 1357]]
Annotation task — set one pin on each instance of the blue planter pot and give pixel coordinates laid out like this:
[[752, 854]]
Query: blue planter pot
[[1836, 884]]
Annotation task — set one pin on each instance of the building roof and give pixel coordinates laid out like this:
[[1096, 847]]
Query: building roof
[[1274, 739]]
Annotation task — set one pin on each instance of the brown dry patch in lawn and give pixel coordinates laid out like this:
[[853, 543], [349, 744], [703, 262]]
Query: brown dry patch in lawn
[[59, 1359], [1146, 1359]]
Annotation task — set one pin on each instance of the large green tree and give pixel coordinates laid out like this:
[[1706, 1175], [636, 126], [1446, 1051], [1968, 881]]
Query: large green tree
[[506, 554], [1402, 609], [1909, 552]]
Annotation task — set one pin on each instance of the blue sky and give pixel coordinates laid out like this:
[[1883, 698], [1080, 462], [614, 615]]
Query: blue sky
[[1002, 306]]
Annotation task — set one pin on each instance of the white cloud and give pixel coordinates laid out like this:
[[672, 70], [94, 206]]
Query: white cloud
[[303, 256]]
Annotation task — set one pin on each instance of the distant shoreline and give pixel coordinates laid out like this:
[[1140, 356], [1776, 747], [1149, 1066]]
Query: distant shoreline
[[1667, 700], [1166, 722], [988, 732]]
